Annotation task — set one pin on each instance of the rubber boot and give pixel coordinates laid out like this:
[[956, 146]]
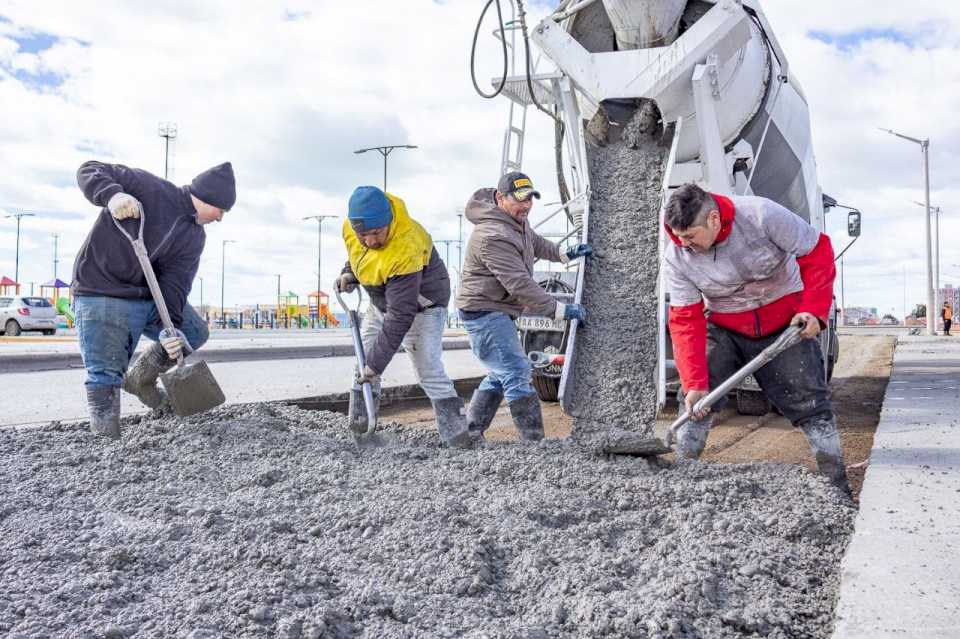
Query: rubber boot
[[104, 405], [483, 406], [357, 410], [692, 438], [528, 417], [824, 443], [141, 377], [452, 422]]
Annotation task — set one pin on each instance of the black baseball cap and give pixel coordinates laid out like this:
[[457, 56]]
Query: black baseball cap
[[518, 185]]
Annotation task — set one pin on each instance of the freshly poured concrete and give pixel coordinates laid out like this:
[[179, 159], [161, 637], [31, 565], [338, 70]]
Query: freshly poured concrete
[[901, 573]]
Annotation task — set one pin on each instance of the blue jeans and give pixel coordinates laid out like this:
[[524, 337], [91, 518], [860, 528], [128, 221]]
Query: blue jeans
[[495, 342], [110, 327]]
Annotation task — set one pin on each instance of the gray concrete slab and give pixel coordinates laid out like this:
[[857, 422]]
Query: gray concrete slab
[[40, 397], [901, 573]]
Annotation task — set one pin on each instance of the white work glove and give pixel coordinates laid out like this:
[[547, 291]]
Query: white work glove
[[124, 205], [174, 343], [346, 283], [367, 376]]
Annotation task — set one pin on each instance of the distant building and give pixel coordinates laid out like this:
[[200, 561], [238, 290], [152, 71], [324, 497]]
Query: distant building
[[860, 316]]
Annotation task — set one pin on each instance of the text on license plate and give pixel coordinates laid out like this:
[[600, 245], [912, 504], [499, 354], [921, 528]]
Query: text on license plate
[[542, 324]]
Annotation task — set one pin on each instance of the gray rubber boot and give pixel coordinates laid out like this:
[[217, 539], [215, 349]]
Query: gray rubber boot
[[528, 417], [357, 411], [483, 406], [824, 443], [452, 422], [104, 405], [692, 438], [141, 377]]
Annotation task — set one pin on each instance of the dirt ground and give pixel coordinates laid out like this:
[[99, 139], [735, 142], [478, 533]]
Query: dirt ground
[[859, 382]]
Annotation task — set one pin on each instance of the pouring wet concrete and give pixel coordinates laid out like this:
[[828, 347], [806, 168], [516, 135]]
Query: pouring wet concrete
[[264, 520]]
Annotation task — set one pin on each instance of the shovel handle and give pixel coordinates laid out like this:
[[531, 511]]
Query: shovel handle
[[788, 338], [140, 250], [354, 316]]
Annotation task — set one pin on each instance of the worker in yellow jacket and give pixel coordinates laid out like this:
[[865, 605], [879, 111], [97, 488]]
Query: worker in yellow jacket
[[393, 258]]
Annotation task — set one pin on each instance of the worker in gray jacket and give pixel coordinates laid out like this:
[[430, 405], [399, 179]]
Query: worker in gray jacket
[[496, 287]]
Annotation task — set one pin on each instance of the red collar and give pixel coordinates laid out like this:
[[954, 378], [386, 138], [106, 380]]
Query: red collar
[[727, 213]]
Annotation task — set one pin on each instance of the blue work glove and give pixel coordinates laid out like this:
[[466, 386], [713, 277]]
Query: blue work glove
[[580, 250], [174, 343], [571, 312]]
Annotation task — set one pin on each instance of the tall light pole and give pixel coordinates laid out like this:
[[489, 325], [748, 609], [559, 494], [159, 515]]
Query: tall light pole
[[319, 219], [925, 152], [460, 242], [385, 151], [167, 131], [19, 216], [56, 260], [936, 253], [201, 295], [223, 271]]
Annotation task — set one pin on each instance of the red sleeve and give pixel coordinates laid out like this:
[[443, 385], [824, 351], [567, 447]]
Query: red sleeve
[[688, 331], [817, 272]]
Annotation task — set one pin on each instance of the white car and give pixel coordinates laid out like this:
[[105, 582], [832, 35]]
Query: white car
[[18, 314]]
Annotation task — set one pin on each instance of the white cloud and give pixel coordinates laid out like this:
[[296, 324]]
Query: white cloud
[[288, 100]]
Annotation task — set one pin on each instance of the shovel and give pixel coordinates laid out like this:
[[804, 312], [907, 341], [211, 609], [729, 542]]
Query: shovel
[[367, 437], [191, 388], [651, 447]]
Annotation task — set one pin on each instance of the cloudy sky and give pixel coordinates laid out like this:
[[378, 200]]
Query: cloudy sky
[[288, 90]]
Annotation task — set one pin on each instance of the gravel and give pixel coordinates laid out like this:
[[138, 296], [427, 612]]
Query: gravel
[[264, 521]]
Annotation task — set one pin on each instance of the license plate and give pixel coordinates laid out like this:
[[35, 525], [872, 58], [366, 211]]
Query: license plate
[[534, 323]]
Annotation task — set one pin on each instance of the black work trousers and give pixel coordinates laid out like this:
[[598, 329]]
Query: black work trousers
[[795, 381]]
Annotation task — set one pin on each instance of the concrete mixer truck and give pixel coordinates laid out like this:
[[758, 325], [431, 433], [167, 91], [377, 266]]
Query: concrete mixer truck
[[710, 90]]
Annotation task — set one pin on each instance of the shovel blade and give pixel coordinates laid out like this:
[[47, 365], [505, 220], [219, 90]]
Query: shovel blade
[[635, 444], [192, 389]]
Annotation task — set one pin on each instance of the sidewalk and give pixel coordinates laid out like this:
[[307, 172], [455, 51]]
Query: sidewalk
[[901, 573]]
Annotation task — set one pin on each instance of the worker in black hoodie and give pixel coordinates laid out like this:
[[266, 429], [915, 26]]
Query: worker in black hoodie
[[112, 301]]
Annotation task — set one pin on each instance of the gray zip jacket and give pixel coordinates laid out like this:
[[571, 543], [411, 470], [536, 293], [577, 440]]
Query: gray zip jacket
[[498, 266], [754, 266]]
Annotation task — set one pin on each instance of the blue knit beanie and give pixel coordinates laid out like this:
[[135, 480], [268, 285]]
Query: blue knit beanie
[[368, 209]]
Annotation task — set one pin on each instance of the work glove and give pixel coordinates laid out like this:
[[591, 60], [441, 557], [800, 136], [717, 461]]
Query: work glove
[[580, 250], [809, 322], [346, 283], [174, 343], [124, 205], [571, 312], [367, 376]]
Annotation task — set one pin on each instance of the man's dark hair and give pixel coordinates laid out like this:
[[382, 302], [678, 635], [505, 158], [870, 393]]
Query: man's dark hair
[[688, 206]]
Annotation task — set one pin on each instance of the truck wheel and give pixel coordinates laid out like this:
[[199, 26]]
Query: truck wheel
[[12, 328], [833, 354], [548, 388], [752, 403]]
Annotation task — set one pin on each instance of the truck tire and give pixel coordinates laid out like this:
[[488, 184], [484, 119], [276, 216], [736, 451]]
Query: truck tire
[[12, 329], [833, 354], [752, 403], [548, 388]]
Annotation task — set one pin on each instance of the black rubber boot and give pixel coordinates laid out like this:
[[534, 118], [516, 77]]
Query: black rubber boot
[[528, 417], [357, 411], [452, 422], [483, 406], [824, 443], [141, 377], [104, 405]]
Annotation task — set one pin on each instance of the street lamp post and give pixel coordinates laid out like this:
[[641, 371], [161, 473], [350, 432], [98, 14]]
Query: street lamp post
[[223, 272], [16, 268], [936, 252], [319, 219], [56, 260], [201, 296], [385, 151], [925, 151]]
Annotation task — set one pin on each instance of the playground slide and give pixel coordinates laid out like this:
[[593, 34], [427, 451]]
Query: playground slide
[[64, 308]]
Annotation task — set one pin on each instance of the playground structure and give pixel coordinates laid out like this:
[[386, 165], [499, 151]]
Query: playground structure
[[290, 311]]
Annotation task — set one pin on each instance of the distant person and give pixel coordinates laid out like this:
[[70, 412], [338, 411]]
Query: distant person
[[112, 302], [947, 314], [757, 268], [393, 258], [496, 287]]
